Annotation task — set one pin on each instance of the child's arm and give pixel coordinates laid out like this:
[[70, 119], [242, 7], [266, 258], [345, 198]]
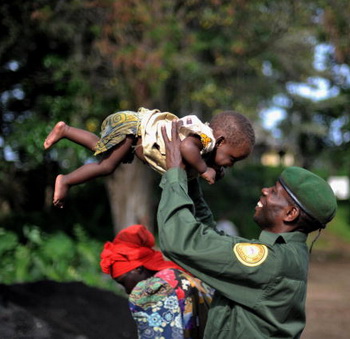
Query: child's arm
[[190, 151]]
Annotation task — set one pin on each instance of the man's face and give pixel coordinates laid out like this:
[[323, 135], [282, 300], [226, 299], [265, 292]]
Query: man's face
[[272, 206]]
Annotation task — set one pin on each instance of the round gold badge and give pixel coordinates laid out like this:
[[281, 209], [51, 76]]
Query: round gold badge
[[250, 254]]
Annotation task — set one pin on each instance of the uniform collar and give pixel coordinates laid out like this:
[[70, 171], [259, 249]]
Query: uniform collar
[[273, 238]]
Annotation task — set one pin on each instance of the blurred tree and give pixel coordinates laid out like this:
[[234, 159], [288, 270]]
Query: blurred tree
[[46, 62], [80, 60], [316, 129], [335, 34]]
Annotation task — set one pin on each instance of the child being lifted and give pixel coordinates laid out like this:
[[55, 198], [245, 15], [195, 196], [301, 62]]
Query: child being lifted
[[205, 148]]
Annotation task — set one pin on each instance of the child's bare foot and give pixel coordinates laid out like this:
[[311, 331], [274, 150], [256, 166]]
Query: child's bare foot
[[61, 191], [56, 134]]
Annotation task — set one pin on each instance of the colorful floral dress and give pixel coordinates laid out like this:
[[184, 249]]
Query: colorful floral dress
[[170, 305]]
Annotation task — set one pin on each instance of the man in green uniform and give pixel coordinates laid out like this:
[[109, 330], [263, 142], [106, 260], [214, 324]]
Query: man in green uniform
[[260, 284]]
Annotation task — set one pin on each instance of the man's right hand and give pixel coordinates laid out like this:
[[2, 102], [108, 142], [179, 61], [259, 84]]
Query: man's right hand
[[172, 147]]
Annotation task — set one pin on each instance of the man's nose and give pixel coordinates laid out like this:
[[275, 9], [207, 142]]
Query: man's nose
[[265, 191]]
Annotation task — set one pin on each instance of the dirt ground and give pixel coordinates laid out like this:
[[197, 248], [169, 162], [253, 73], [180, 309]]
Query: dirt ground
[[328, 298]]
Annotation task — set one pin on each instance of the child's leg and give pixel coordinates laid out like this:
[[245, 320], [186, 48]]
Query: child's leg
[[79, 136], [90, 171]]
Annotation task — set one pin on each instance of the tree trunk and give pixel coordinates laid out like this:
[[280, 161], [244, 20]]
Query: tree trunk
[[129, 190]]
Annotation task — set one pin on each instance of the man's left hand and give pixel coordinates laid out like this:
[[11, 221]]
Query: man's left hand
[[172, 147]]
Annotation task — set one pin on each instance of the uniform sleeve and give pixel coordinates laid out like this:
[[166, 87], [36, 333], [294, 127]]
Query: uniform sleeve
[[201, 210], [193, 244]]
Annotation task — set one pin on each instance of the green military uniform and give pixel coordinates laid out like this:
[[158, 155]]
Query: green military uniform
[[260, 284]]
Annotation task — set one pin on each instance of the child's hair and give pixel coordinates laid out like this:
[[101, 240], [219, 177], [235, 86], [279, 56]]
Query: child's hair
[[236, 127]]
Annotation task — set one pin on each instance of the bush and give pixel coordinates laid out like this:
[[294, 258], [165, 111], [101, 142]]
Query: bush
[[51, 256]]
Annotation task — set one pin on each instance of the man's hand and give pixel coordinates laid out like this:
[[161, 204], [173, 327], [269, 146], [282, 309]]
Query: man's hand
[[172, 147]]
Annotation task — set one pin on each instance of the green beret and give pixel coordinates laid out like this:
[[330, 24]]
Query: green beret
[[310, 192]]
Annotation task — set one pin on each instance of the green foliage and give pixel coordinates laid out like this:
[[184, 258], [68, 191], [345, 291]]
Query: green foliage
[[340, 225], [51, 256]]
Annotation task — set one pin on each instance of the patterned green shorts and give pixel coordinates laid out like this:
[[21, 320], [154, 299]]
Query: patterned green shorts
[[115, 128]]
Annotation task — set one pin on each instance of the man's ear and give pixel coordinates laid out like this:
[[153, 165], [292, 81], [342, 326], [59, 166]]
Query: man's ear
[[292, 213], [219, 141]]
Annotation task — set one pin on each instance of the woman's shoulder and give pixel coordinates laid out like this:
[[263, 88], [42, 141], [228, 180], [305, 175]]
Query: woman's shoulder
[[151, 290]]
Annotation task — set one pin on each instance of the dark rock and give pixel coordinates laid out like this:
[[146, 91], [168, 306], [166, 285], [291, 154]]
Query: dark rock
[[52, 310]]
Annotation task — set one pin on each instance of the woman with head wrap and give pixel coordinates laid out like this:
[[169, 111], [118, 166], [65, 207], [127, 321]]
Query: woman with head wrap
[[164, 300]]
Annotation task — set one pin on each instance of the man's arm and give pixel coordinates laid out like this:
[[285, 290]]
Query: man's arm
[[189, 241], [193, 244], [174, 159], [202, 211]]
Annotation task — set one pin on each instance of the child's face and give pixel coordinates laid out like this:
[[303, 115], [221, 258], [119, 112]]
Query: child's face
[[227, 155]]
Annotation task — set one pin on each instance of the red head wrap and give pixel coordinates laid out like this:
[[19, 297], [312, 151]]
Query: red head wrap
[[131, 248]]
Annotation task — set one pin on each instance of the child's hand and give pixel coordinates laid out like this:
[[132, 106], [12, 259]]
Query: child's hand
[[209, 175]]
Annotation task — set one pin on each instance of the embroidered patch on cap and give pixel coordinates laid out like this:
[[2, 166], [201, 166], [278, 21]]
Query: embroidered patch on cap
[[250, 254]]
